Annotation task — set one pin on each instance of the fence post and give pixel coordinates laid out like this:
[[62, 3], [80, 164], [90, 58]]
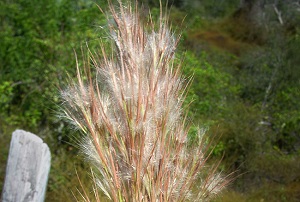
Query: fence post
[[27, 168]]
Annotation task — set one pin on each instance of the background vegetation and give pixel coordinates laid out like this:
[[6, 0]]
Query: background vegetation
[[244, 56]]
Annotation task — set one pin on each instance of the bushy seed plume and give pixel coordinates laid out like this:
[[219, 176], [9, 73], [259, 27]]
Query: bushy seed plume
[[130, 109]]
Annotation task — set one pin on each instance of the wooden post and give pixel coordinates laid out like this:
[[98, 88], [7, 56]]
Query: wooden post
[[27, 168]]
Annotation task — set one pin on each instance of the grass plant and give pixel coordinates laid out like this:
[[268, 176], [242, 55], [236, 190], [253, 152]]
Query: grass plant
[[128, 102]]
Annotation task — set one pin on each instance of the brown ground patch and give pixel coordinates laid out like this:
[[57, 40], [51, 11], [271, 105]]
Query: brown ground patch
[[216, 39]]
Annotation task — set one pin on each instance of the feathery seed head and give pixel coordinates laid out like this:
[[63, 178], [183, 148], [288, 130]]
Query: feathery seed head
[[131, 112]]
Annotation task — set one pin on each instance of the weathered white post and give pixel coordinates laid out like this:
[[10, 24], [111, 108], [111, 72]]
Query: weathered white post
[[27, 168]]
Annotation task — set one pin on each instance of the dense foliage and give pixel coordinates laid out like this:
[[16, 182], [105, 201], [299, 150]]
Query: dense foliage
[[244, 58]]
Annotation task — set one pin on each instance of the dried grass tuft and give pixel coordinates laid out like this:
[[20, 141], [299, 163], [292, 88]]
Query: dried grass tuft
[[131, 109]]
